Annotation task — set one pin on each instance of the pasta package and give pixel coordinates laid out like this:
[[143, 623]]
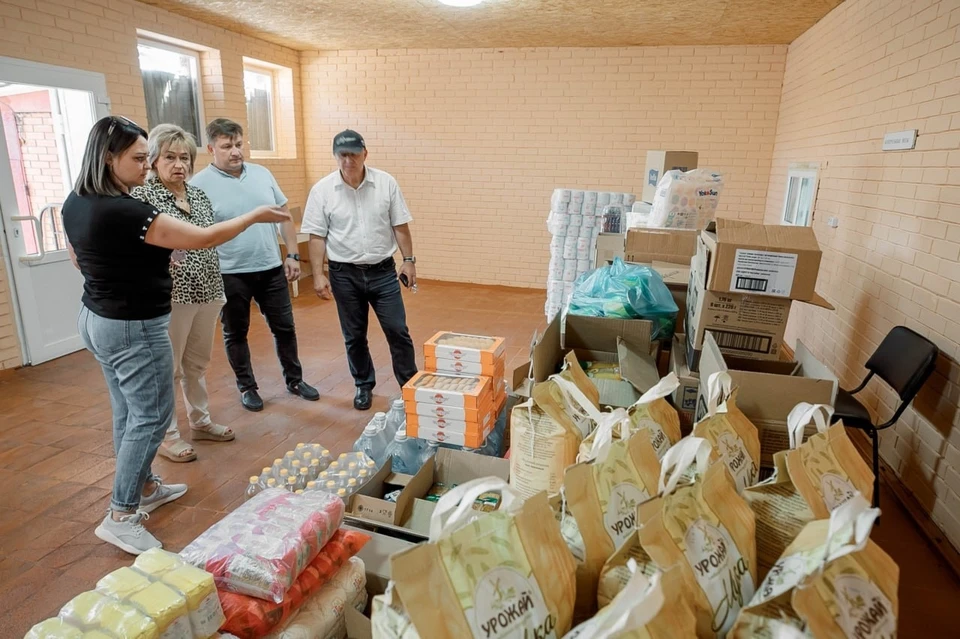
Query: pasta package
[[54, 628], [832, 582], [733, 437], [705, 528], [167, 608], [156, 562], [502, 574], [123, 583], [651, 412], [200, 592], [603, 495], [653, 608], [261, 547]]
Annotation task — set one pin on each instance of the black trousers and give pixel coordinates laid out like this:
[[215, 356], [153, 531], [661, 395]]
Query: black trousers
[[269, 290], [357, 288]]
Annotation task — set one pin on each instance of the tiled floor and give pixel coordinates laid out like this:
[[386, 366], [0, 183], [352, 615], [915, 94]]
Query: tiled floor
[[56, 464]]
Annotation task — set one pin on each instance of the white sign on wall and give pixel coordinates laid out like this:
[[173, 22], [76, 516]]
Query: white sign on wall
[[900, 140]]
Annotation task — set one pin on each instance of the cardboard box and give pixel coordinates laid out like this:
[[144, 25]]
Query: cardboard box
[[685, 397], [467, 348], [674, 246], [456, 432], [609, 246], [492, 369], [450, 412], [429, 388], [410, 515], [762, 259], [677, 278], [596, 339], [659, 162], [768, 391]]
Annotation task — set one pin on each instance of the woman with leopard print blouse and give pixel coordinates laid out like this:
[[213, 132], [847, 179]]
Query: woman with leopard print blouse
[[197, 284]]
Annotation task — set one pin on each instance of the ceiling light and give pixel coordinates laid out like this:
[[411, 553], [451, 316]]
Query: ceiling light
[[461, 3]]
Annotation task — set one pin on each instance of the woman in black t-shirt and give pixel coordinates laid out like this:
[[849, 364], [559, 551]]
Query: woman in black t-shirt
[[122, 247]]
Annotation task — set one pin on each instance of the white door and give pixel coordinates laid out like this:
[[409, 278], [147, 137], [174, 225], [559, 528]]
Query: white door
[[46, 113]]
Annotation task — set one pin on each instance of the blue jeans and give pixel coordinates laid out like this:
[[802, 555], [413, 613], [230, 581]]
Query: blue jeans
[[137, 362], [357, 289]]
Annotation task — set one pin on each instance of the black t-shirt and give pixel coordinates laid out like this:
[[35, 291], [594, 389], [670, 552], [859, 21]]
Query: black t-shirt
[[123, 277]]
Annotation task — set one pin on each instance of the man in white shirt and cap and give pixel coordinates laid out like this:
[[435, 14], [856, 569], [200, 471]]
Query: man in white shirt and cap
[[357, 218]]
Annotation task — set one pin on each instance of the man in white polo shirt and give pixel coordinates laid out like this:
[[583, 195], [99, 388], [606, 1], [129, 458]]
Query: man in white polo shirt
[[356, 218], [250, 263]]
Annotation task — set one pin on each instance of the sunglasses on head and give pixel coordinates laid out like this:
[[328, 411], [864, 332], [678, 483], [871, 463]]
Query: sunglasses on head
[[122, 121]]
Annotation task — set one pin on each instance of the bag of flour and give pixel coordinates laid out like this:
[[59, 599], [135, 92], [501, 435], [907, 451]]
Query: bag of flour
[[546, 430], [602, 495], [616, 573], [780, 510], [651, 412], [832, 582], [651, 608], [505, 573], [734, 438], [708, 530]]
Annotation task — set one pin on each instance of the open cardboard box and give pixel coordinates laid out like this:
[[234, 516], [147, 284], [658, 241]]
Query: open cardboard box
[[674, 246], [410, 515], [594, 339], [685, 397], [769, 390]]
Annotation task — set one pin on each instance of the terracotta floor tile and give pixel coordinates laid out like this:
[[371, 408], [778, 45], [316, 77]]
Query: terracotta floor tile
[[57, 483]]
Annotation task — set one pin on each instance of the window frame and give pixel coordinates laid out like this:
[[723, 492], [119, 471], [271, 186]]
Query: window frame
[[194, 54], [801, 171], [261, 69]]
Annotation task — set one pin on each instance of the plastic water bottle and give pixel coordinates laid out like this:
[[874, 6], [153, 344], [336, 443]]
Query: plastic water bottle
[[379, 422], [303, 478], [396, 418], [371, 443], [403, 453], [253, 487], [426, 452]]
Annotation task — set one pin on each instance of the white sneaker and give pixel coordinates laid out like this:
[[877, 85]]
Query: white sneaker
[[164, 494], [128, 534]]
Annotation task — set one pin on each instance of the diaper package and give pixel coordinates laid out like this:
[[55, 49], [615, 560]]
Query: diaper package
[[686, 200]]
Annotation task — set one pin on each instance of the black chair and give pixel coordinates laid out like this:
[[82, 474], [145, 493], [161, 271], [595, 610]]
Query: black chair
[[904, 360]]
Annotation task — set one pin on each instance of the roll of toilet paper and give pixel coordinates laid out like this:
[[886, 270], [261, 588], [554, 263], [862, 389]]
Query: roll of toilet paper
[[586, 231], [555, 287], [575, 220], [616, 198], [555, 272], [583, 266], [603, 199], [570, 251], [567, 290], [570, 240], [556, 243], [559, 199], [588, 221], [570, 272]]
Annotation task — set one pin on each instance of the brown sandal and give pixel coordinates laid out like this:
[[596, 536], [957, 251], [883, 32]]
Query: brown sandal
[[177, 451], [212, 432]]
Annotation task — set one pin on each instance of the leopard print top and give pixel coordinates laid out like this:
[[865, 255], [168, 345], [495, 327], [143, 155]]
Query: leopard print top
[[196, 278]]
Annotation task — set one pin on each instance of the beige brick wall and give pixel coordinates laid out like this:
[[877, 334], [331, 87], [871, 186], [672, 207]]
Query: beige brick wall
[[100, 35], [869, 67], [479, 138]]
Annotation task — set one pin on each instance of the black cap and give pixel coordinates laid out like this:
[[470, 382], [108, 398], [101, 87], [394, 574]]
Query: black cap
[[348, 141]]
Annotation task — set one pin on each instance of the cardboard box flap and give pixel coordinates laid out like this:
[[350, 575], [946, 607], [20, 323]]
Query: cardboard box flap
[[766, 236], [587, 333], [458, 467], [821, 302], [668, 245], [673, 273], [640, 369]]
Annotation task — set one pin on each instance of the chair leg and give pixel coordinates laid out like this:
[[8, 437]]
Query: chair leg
[[875, 436]]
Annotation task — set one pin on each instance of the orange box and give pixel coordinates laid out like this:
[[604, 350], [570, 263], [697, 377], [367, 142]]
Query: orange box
[[466, 348], [472, 437], [449, 412], [462, 367], [460, 391]]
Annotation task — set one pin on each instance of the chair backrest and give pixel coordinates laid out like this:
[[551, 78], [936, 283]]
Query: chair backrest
[[904, 360]]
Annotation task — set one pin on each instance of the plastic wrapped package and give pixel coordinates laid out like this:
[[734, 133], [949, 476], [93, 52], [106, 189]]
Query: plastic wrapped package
[[123, 583], [54, 628], [686, 200], [262, 547], [322, 614], [252, 618], [168, 609], [92, 610], [627, 291]]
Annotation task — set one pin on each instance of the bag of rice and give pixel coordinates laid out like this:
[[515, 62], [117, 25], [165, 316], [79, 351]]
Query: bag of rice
[[651, 608], [603, 494], [546, 430], [832, 583], [733, 437], [708, 530], [651, 412], [500, 574]]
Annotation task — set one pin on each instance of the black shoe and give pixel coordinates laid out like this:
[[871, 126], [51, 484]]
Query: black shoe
[[251, 400], [363, 399], [304, 390]]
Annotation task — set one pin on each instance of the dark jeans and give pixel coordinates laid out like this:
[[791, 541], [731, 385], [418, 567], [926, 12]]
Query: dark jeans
[[356, 288], [269, 290]]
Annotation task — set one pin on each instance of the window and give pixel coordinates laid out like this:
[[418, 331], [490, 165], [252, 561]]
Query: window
[[801, 195], [171, 85], [260, 86]]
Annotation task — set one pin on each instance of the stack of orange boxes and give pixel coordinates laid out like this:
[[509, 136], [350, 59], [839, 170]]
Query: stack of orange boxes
[[457, 398]]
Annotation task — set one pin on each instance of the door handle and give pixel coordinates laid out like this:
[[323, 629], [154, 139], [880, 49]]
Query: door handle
[[39, 235]]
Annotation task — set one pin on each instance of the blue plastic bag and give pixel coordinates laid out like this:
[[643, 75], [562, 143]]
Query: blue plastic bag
[[627, 291]]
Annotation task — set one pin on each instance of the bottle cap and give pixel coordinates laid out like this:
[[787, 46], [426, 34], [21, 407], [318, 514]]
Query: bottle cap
[[370, 429], [352, 465], [398, 404], [335, 465], [342, 492], [271, 482], [311, 485], [324, 474], [283, 473], [289, 454], [300, 445], [291, 481], [307, 457], [266, 470], [342, 473], [379, 415], [363, 473], [254, 479], [351, 482], [295, 463], [342, 457], [330, 485], [314, 462], [277, 461], [304, 472], [325, 453], [371, 463], [298, 491]]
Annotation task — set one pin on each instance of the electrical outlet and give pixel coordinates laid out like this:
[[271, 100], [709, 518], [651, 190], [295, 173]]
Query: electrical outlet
[[833, 222]]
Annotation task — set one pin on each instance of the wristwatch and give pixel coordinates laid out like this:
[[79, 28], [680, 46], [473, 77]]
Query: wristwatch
[[293, 256], [411, 259]]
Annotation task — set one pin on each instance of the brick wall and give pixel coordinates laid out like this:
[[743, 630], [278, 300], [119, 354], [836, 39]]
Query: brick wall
[[869, 67], [100, 35], [479, 138]]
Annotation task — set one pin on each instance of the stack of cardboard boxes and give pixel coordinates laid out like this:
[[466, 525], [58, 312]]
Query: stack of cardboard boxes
[[458, 396]]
